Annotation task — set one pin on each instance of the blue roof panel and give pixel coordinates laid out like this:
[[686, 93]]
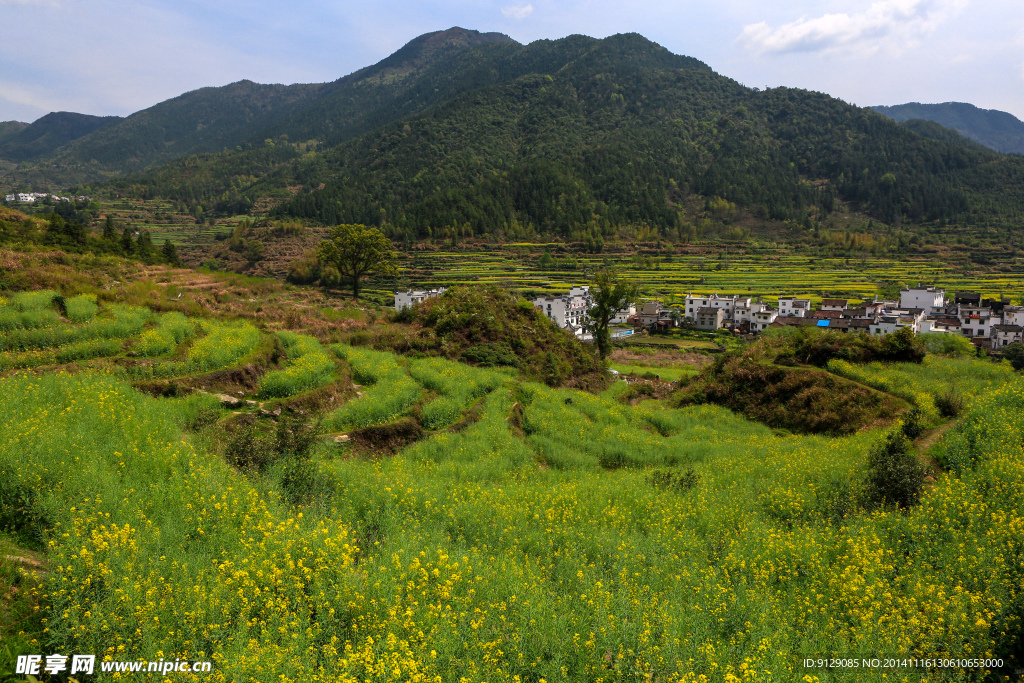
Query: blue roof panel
[[823, 323]]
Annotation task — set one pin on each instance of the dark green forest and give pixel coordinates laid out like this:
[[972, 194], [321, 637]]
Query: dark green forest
[[462, 134]]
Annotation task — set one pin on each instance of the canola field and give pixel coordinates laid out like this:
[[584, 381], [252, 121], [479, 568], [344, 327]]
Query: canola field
[[771, 273], [553, 536]]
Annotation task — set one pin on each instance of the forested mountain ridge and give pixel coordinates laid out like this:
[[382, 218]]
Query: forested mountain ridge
[[462, 133], [597, 133], [244, 113], [9, 128], [48, 133], [995, 129]]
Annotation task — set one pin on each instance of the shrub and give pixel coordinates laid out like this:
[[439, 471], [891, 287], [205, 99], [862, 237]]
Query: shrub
[[950, 403], [1015, 354], [895, 477], [677, 482], [944, 344]]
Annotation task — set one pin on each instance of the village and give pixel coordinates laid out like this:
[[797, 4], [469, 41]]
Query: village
[[989, 323], [33, 197]]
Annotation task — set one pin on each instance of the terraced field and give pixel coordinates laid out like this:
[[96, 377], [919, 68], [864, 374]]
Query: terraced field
[[771, 274], [527, 534]]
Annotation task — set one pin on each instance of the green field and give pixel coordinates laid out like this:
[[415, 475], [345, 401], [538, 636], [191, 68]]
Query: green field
[[776, 271], [524, 533]]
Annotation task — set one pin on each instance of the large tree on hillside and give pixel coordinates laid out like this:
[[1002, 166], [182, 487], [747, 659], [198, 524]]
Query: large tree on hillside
[[357, 251], [610, 294]]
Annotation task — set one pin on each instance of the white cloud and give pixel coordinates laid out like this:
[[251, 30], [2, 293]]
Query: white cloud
[[895, 23], [513, 12]]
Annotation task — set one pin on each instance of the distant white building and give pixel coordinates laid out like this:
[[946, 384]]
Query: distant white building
[[1013, 315], [792, 307], [10, 197], [977, 321], [834, 304], [745, 312], [1004, 335], [763, 318], [568, 311], [928, 298], [728, 305], [624, 316], [415, 296]]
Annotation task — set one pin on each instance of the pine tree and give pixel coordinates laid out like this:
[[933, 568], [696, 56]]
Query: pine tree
[[170, 253], [109, 233], [127, 244]]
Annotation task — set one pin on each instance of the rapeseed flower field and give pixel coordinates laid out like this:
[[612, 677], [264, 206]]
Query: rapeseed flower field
[[531, 543]]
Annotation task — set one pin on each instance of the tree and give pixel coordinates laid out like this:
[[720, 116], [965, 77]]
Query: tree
[[109, 232], [610, 295], [357, 251], [1015, 354], [171, 253], [127, 244]]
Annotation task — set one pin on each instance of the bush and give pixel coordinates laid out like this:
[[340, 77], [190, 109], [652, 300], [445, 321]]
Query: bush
[[944, 344], [950, 403], [895, 477], [678, 482], [1015, 354]]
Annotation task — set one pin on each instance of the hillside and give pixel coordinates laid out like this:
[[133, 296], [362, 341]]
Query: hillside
[[165, 459], [246, 113], [587, 135], [936, 131], [9, 128], [47, 133], [995, 129], [462, 133]]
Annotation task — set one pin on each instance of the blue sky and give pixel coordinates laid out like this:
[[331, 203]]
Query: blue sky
[[112, 57]]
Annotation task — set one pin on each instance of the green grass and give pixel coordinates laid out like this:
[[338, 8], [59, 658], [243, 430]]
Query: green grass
[[119, 322], [81, 308], [172, 329], [665, 373], [457, 385], [536, 542], [309, 366], [935, 376], [388, 394]]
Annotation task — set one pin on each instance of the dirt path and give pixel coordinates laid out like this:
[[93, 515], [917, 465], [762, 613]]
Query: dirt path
[[929, 438]]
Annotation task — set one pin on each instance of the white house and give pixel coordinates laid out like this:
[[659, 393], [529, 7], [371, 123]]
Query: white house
[[10, 197], [745, 313], [708, 318], [407, 299], [1004, 335], [763, 318], [726, 303], [624, 316], [977, 321], [834, 304], [928, 298], [1013, 315], [886, 324], [791, 307], [568, 311]]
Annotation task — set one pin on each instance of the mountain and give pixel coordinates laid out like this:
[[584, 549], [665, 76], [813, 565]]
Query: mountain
[[203, 120], [46, 134], [9, 128], [467, 133], [936, 131], [578, 136], [217, 118], [996, 130]]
